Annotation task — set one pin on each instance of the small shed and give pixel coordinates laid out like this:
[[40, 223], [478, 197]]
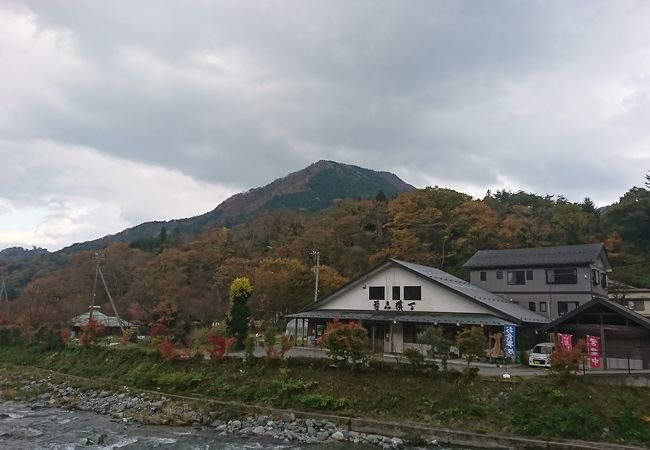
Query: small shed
[[112, 324], [624, 334]]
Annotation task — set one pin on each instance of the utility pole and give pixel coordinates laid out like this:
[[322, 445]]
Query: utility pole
[[316, 256], [97, 257], [117, 316], [3, 290], [98, 272]]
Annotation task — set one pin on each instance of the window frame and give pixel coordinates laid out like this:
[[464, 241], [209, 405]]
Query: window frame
[[483, 275], [551, 275], [515, 278], [543, 306], [375, 289], [576, 306], [595, 277], [407, 297], [398, 290]]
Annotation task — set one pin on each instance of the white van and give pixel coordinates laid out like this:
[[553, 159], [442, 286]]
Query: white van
[[540, 355]]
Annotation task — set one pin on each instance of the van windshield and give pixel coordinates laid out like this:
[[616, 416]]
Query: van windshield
[[546, 349]]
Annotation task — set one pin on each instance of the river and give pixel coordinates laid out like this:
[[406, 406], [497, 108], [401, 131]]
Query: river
[[25, 428]]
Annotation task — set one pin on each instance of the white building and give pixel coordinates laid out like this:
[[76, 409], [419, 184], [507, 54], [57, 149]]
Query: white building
[[395, 300]]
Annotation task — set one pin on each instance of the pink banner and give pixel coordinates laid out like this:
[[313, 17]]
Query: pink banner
[[565, 341], [593, 344], [593, 350]]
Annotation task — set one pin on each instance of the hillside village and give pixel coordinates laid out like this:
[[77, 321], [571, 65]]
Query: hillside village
[[396, 262], [280, 307]]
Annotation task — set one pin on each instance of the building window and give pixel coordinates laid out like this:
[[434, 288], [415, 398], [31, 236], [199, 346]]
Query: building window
[[543, 307], [412, 293], [603, 280], [499, 274], [516, 277], [531, 306], [561, 276], [396, 293], [595, 277], [376, 293], [565, 307], [483, 276], [529, 274], [639, 305]]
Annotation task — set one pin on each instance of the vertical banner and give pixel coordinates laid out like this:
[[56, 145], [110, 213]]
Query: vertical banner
[[565, 341], [509, 340], [593, 350]]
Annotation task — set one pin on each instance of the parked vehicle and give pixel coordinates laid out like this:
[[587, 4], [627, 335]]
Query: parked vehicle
[[540, 355]]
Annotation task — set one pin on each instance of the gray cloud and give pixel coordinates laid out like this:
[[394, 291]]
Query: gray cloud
[[545, 96]]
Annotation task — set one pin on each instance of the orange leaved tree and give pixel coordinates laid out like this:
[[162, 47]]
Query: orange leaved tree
[[345, 341], [91, 332]]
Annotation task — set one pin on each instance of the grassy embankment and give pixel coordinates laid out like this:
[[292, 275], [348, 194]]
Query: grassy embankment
[[539, 406]]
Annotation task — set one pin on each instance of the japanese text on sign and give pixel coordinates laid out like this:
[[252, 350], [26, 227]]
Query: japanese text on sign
[[398, 305], [509, 340]]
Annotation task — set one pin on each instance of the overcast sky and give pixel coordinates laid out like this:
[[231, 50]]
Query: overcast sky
[[116, 113]]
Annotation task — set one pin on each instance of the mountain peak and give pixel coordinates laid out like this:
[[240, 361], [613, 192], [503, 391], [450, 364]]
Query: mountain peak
[[311, 189]]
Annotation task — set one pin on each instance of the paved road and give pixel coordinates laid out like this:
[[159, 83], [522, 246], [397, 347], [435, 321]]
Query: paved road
[[486, 369], [458, 364]]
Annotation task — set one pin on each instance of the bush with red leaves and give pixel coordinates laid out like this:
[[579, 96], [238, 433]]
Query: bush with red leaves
[[167, 350], [220, 346], [90, 332]]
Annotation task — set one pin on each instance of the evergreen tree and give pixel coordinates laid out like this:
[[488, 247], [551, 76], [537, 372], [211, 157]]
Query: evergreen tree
[[239, 314], [381, 197]]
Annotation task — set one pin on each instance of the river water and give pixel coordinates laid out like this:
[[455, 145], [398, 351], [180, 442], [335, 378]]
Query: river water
[[22, 427]]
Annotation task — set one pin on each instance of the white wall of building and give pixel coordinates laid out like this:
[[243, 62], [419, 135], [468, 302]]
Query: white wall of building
[[434, 298]]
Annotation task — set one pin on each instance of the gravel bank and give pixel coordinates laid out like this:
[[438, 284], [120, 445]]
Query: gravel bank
[[126, 406]]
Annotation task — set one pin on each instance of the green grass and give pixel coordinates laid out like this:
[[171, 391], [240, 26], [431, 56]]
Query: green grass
[[536, 407]]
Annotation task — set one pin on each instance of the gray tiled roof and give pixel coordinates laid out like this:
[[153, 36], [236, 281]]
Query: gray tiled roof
[[622, 310], [539, 256], [107, 321], [420, 317], [486, 298]]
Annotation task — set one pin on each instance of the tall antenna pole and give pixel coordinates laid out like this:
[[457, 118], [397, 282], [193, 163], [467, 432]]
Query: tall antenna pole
[[316, 256]]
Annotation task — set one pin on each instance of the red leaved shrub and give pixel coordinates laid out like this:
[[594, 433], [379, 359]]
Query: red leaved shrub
[[157, 329], [167, 350], [220, 346], [65, 334], [90, 332]]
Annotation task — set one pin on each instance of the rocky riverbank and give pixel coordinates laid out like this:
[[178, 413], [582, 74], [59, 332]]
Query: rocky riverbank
[[127, 406]]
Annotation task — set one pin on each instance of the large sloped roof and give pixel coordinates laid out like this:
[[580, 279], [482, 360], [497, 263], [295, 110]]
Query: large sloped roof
[[613, 306], [107, 321], [501, 307], [538, 256], [486, 298]]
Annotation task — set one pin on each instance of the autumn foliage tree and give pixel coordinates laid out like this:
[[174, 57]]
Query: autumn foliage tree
[[471, 343], [220, 345], [167, 350], [239, 314], [345, 341], [565, 361], [91, 332]]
